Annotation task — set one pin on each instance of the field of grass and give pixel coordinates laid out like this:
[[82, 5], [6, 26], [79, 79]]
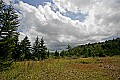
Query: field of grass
[[107, 68]]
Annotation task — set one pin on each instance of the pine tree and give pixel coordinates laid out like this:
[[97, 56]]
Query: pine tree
[[89, 52], [62, 54], [25, 49], [16, 53], [36, 49], [56, 54], [8, 32], [69, 50], [43, 49], [48, 54], [85, 52]]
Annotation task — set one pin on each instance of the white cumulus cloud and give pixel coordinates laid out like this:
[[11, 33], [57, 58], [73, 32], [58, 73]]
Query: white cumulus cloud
[[102, 21]]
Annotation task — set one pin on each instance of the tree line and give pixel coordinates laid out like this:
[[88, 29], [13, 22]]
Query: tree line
[[100, 49]]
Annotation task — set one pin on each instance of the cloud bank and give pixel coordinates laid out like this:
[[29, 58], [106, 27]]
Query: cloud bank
[[102, 21]]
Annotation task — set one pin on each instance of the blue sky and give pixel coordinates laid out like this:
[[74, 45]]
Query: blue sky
[[75, 16], [36, 2]]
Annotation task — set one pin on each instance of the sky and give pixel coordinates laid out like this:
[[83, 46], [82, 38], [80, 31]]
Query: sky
[[63, 22], [36, 3]]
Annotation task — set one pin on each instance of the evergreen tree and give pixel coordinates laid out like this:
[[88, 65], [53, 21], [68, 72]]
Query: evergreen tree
[[62, 54], [85, 52], [25, 49], [89, 52], [69, 50], [37, 49], [8, 32], [56, 54], [16, 52], [48, 54], [43, 49]]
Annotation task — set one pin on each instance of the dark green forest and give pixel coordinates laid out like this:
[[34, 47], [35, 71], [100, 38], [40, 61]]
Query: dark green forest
[[100, 49], [12, 50]]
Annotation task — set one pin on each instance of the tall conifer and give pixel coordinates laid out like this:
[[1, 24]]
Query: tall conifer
[[25, 49], [8, 32]]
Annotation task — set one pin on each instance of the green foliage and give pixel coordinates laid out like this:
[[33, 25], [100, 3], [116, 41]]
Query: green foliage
[[56, 54], [69, 51], [16, 53], [63, 54], [25, 49], [43, 49], [48, 54], [39, 49], [107, 48], [8, 32], [36, 49]]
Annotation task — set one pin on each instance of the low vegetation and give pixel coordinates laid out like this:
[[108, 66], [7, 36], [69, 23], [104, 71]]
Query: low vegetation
[[107, 68]]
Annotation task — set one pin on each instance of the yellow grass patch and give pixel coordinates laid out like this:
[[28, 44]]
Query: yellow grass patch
[[107, 68]]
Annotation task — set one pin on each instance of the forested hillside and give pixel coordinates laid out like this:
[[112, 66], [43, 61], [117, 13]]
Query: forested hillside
[[101, 49]]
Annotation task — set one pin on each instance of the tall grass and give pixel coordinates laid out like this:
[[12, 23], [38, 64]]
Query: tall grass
[[107, 68]]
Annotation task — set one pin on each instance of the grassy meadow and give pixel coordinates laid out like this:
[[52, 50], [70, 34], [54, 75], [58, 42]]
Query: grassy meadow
[[104, 68]]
